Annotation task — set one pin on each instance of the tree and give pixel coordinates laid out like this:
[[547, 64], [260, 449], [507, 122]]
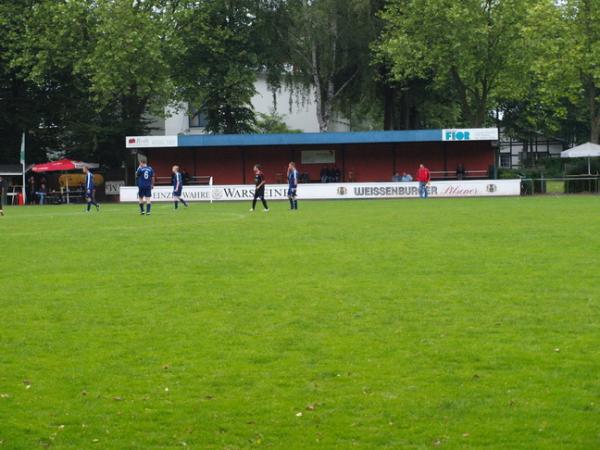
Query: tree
[[22, 102], [566, 65], [272, 123], [471, 49], [217, 68], [102, 65], [129, 59], [326, 48]]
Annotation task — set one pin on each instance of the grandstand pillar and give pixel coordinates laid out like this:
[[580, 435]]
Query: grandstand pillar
[[195, 156], [243, 156], [496, 160], [445, 149], [343, 148]]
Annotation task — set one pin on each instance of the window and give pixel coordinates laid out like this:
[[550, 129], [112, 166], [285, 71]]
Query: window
[[505, 160], [198, 119]]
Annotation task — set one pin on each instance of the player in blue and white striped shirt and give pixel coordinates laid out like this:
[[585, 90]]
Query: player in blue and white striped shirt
[[90, 189], [177, 180], [292, 174]]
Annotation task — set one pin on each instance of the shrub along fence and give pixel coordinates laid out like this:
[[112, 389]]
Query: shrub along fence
[[565, 185]]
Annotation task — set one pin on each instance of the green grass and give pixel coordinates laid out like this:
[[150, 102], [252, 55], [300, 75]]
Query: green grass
[[470, 323], [555, 187]]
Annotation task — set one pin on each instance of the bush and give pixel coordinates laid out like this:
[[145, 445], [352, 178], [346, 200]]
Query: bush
[[272, 123]]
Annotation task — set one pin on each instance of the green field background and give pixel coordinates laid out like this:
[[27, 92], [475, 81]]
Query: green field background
[[458, 323]]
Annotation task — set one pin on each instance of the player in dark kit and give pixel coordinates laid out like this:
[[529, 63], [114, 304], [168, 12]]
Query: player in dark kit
[[177, 180], [90, 190], [292, 174], [259, 190], [145, 182]]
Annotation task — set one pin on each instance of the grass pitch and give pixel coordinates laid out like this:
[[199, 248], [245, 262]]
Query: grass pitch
[[371, 324]]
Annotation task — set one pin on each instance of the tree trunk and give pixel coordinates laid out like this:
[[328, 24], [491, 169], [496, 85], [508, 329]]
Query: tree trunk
[[325, 102], [133, 108], [387, 89], [324, 99], [328, 107], [595, 130], [313, 63], [406, 111], [482, 105], [594, 113], [465, 107], [479, 118], [389, 98], [317, 87]]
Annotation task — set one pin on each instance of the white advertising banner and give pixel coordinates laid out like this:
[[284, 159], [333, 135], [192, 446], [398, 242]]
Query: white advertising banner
[[318, 156], [470, 134], [150, 141], [470, 188]]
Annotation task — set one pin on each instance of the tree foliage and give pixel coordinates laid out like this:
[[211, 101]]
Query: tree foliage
[[217, 68], [565, 42], [102, 66], [22, 102], [323, 48], [79, 75], [472, 50], [272, 123]]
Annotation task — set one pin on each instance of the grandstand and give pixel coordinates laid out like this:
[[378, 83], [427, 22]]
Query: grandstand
[[373, 156]]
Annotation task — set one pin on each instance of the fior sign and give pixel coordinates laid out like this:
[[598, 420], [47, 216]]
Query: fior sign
[[470, 134]]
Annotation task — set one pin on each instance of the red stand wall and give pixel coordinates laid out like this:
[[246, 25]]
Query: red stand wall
[[367, 162]]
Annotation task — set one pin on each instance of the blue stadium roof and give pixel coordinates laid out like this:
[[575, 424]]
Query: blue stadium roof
[[255, 140], [262, 140]]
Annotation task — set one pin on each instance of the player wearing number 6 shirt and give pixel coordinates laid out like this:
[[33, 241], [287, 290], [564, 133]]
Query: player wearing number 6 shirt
[[177, 180], [292, 174], [259, 190], [145, 182]]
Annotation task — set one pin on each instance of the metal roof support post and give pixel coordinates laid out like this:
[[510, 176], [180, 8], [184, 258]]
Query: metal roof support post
[[344, 162], [243, 156], [395, 162]]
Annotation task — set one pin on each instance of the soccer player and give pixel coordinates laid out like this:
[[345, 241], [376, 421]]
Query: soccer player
[[145, 181], [177, 180], [424, 178], [259, 190], [90, 190], [292, 175]]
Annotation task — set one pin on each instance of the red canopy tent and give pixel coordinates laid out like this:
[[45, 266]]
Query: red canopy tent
[[62, 165]]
